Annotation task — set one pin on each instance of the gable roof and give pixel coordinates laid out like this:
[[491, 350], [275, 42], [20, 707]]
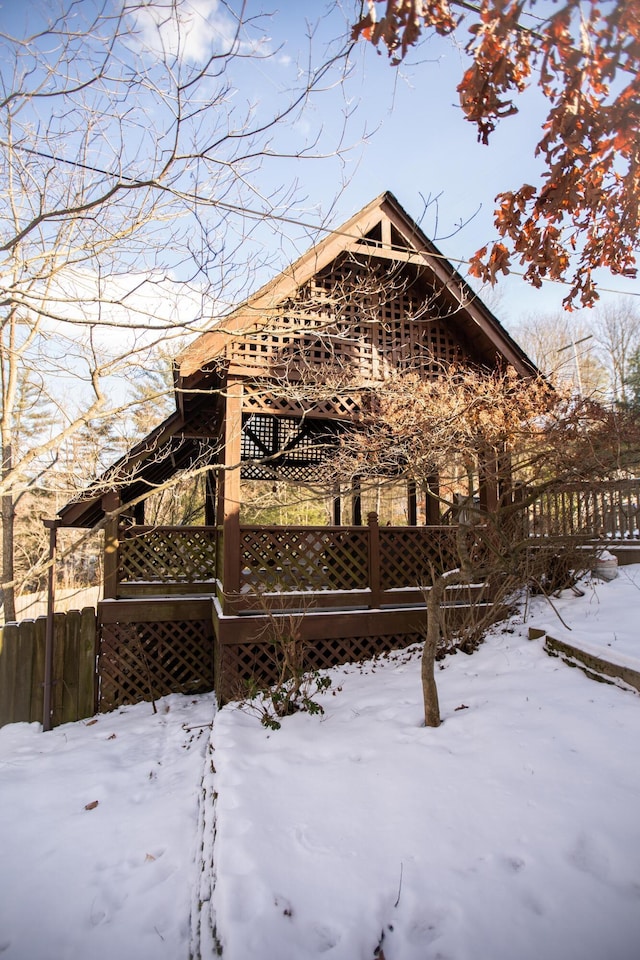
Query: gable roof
[[382, 229]]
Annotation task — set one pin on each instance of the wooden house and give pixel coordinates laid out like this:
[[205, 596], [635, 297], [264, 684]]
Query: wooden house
[[259, 400]]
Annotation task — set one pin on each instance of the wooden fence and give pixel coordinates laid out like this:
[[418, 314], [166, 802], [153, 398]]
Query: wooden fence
[[29, 606], [22, 661], [608, 510], [128, 652]]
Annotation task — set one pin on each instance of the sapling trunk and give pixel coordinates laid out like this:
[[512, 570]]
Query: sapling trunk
[[429, 688]]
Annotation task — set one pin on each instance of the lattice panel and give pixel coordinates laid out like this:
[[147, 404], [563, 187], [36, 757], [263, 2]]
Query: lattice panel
[[407, 554], [287, 559], [167, 555], [259, 400], [364, 317], [285, 447], [145, 661], [323, 654], [204, 422], [239, 664]]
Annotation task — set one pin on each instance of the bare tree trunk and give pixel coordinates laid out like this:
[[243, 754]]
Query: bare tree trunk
[[8, 527], [434, 598], [429, 688]]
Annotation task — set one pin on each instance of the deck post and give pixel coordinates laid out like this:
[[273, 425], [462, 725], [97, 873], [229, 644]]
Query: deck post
[[356, 502], [412, 504], [210, 498], [231, 493], [432, 502], [337, 506], [47, 710], [110, 505], [374, 560], [488, 471]]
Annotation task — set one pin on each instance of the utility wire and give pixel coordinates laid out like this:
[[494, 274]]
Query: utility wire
[[282, 218]]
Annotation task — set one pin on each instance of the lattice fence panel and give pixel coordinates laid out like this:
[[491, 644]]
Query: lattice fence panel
[[323, 654], [148, 660], [408, 554], [259, 400], [287, 559], [239, 664], [175, 555]]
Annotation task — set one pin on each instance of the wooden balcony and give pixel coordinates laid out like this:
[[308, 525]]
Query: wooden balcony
[[363, 567], [345, 567], [348, 592], [607, 511]]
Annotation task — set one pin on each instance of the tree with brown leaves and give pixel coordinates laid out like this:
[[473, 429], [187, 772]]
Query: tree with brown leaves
[[585, 213], [524, 436]]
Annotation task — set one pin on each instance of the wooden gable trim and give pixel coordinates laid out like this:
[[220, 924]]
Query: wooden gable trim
[[454, 284], [251, 316], [417, 249]]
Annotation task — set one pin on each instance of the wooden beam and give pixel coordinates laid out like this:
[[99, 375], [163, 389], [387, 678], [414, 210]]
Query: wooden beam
[[337, 506], [47, 718], [432, 502], [231, 491], [374, 560], [385, 253], [155, 610], [412, 504], [111, 504], [210, 494], [356, 502]]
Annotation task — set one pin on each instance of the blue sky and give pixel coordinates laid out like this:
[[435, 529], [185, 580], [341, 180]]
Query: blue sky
[[404, 127], [421, 147]]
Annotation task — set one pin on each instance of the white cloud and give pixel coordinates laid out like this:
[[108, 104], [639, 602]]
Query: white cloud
[[122, 315], [189, 30]]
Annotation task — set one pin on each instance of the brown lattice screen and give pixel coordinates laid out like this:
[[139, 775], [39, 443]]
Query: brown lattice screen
[[260, 400], [285, 447], [237, 664], [148, 660], [287, 559], [167, 554], [366, 316], [409, 555]]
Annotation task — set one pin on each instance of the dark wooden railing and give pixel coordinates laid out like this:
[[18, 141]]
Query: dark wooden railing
[[157, 560], [363, 564], [607, 510], [349, 566]]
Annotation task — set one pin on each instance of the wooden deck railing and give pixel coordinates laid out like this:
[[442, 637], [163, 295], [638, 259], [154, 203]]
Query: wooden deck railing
[[350, 566], [363, 564], [151, 560], [607, 510]]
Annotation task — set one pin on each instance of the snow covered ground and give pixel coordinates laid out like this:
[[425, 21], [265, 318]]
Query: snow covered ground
[[512, 832]]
